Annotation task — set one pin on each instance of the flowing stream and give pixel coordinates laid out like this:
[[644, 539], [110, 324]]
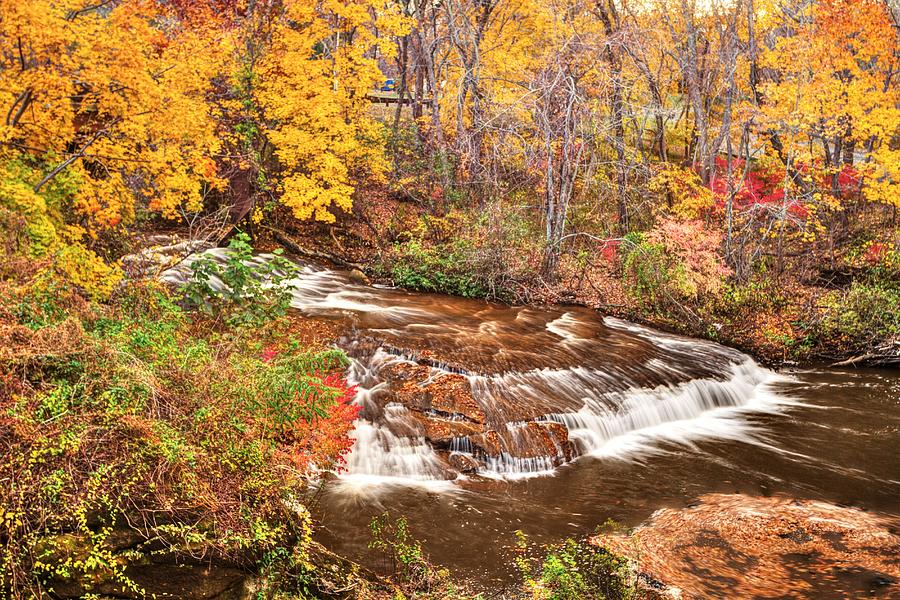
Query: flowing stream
[[481, 419]]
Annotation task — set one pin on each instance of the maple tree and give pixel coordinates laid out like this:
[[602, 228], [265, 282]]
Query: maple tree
[[113, 96], [312, 92]]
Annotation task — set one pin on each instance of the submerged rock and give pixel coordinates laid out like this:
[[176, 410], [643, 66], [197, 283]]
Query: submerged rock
[[440, 431], [358, 277], [765, 548]]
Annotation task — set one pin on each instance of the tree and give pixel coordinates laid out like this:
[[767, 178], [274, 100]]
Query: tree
[[313, 89], [114, 96]]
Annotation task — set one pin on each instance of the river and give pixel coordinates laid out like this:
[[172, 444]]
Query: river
[[481, 419]]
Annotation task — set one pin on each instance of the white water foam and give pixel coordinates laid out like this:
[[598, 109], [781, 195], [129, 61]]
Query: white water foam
[[701, 409], [626, 425], [380, 454], [563, 327]]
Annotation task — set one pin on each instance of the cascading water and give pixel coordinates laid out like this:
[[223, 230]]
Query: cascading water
[[386, 443], [450, 386]]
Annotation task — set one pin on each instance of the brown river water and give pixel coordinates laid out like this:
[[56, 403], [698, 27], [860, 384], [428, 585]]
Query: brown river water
[[648, 420]]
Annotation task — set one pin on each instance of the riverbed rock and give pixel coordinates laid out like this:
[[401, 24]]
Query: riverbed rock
[[463, 463], [550, 438], [736, 546], [440, 431], [448, 394], [530, 439], [358, 277], [488, 443], [440, 406]]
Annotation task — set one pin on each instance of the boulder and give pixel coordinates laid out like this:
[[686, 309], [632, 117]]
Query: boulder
[[463, 463], [415, 387], [530, 439], [440, 431], [358, 277]]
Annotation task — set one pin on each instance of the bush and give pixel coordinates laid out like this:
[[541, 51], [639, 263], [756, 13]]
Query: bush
[[134, 413], [863, 315], [440, 269], [646, 269], [677, 261], [475, 257], [574, 570], [407, 564], [400, 549], [760, 294], [247, 293]]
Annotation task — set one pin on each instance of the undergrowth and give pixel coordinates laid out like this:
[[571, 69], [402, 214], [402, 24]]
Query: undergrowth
[[185, 433], [573, 570]]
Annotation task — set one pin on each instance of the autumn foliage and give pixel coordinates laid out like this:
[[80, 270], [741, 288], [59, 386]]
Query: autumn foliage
[[137, 417]]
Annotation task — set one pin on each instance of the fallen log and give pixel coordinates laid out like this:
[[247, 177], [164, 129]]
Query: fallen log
[[283, 239], [887, 355]]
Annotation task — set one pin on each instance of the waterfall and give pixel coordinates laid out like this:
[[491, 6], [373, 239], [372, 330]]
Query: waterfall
[[611, 418], [387, 444]]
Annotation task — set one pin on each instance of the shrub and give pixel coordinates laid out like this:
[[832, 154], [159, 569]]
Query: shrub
[[573, 570], [435, 269], [82, 267], [646, 269], [683, 190], [880, 257], [133, 413], [475, 257], [244, 292], [869, 311], [399, 548], [676, 261], [757, 295], [407, 564]]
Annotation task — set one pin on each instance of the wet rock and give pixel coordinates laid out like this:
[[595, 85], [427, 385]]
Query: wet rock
[[421, 356], [530, 439], [550, 438], [439, 405], [440, 431], [488, 443], [358, 277], [418, 388], [735, 546], [463, 463]]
